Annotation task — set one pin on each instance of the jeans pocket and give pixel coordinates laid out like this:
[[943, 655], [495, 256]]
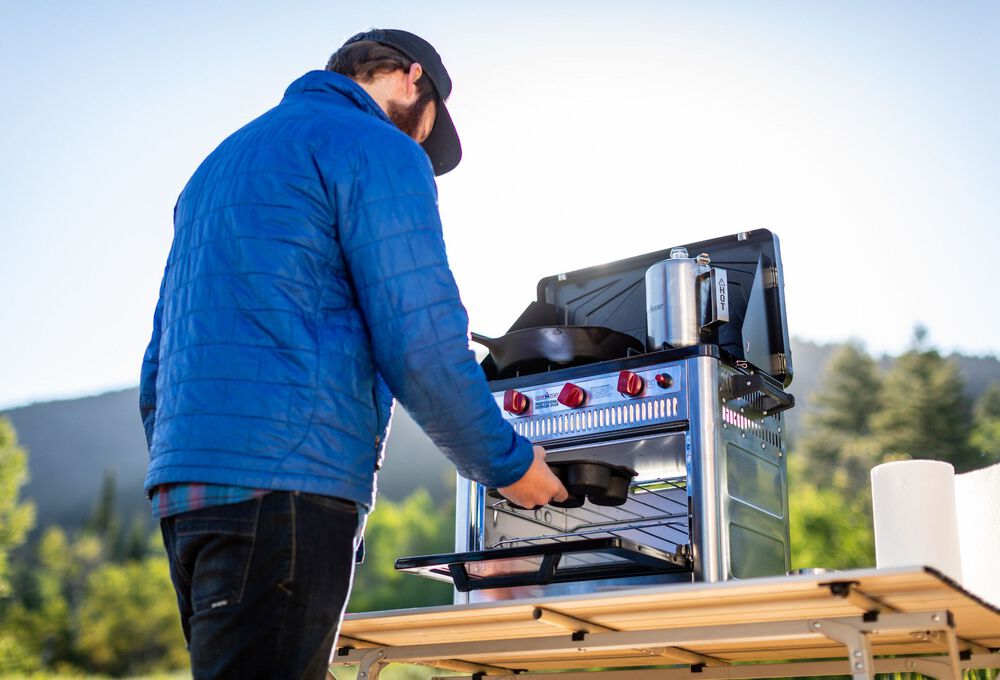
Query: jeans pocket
[[216, 545], [330, 502], [344, 507]]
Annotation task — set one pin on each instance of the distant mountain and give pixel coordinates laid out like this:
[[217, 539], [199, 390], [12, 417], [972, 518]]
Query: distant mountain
[[71, 444]]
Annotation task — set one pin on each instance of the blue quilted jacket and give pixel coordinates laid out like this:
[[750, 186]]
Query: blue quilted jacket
[[306, 285]]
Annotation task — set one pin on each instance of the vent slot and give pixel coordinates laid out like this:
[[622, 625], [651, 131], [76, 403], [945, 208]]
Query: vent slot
[[757, 428], [597, 419]]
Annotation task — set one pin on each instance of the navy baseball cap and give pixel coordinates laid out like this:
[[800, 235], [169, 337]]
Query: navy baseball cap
[[442, 144]]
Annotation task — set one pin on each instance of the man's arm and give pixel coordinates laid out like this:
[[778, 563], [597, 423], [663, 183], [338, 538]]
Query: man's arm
[[392, 241], [150, 368]]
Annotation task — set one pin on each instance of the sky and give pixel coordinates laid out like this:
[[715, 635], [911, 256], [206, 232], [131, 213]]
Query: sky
[[863, 134]]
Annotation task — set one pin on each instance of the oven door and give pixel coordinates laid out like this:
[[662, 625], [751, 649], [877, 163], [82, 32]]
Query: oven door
[[581, 559], [649, 534]]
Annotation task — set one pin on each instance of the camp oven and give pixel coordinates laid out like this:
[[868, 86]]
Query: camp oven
[[692, 419]]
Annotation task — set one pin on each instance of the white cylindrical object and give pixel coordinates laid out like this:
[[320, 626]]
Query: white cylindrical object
[[977, 496], [913, 504]]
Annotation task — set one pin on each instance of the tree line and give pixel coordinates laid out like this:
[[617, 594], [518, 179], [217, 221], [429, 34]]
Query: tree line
[[99, 599], [864, 416]]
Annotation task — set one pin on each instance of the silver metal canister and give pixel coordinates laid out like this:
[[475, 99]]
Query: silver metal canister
[[672, 302], [684, 296]]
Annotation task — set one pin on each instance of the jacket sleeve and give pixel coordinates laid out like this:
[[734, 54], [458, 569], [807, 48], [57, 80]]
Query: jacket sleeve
[[391, 238], [149, 371]]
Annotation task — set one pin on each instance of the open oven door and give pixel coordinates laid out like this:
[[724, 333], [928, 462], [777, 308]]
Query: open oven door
[[554, 562]]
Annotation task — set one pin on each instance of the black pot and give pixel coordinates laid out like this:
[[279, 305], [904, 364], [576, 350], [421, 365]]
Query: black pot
[[617, 491], [573, 500], [586, 478]]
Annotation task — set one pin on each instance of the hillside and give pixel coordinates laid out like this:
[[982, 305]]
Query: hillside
[[73, 443]]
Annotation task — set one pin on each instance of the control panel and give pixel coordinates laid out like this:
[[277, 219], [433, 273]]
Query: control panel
[[605, 402]]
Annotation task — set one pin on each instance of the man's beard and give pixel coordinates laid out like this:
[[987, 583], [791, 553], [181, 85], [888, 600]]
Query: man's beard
[[407, 118]]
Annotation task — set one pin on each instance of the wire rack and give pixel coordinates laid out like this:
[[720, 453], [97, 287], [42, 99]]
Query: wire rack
[[655, 515]]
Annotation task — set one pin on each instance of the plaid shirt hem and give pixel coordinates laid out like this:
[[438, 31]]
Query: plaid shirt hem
[[173, 499]]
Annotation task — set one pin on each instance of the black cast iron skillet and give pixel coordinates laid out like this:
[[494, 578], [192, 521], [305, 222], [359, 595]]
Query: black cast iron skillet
[[557, 345]]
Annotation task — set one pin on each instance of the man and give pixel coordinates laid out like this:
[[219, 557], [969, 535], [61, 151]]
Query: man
[[306, 285]]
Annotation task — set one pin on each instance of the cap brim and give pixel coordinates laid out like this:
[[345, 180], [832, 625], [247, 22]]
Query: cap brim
[[442, 144]]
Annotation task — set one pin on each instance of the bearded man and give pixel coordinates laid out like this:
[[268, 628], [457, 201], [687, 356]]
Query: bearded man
[[306, 286]]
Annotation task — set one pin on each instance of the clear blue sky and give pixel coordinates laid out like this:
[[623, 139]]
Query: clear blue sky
[[864, 134]]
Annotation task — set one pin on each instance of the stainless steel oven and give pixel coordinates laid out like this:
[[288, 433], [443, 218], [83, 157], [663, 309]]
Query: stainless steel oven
[[697, 429]]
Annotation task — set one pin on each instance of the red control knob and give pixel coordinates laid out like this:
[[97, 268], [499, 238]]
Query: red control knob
[[664, 380], [572, 396], [631, 383], [515, 402]]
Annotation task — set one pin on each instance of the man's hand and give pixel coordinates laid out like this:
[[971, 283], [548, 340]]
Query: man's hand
[[537, 486]]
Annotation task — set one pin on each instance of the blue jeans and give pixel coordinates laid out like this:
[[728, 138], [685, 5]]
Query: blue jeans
[[262, 585]]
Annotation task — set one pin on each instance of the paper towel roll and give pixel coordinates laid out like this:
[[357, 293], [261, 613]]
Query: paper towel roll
[[913, 504], [977, 496]]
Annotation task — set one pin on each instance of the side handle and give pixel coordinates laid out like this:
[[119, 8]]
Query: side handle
[[774, 399], [718, 282]]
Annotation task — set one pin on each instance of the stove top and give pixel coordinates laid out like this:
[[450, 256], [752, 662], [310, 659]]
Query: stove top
[[613, 295]]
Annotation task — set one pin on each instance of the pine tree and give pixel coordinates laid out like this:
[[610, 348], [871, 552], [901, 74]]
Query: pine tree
[[830, 495], [16, 517], [106, 522], [52, 613], [985, 437], [837, 448], [135, 543], [988, 404], [16, 520], [103, 516], [850, 392], [924, 412]]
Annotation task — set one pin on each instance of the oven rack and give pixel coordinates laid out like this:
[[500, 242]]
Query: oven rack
[[652, 504], [649, 534], [616, 532], [648, 494]]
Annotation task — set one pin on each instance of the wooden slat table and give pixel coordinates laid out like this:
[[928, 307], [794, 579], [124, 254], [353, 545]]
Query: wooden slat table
[[859, 622]]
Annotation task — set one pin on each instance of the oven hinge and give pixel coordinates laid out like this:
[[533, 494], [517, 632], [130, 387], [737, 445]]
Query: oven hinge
[[770, 275]]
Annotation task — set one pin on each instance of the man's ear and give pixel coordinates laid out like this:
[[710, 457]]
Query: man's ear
[[413, 75]]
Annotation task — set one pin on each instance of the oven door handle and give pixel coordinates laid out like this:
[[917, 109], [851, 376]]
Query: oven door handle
[[635, 560], [463, 584]]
